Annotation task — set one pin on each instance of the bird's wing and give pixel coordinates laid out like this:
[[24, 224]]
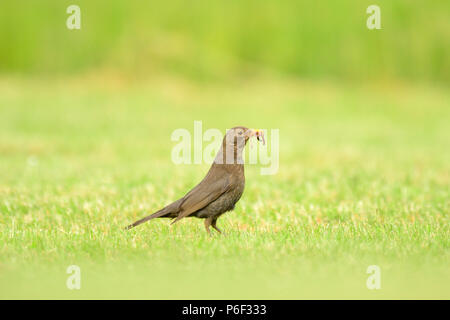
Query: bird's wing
[[203, 194]]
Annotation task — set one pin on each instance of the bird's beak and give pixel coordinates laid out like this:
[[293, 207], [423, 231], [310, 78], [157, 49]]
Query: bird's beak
[[259, 134]]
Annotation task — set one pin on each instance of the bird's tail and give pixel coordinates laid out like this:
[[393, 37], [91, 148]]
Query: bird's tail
[[157, 214]]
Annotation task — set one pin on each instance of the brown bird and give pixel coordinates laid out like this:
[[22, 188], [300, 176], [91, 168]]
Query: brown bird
[[221, 188]]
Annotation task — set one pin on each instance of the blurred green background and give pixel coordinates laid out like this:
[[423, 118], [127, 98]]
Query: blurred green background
[[86, 118], [223, 39]]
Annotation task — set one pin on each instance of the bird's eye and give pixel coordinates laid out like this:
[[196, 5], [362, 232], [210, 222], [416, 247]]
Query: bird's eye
[[240, 133]]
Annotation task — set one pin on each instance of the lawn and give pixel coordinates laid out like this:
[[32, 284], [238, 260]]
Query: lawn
[[363, 180]]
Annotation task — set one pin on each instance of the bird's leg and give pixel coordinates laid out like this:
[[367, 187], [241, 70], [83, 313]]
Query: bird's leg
[[214, 225], [207, 224]]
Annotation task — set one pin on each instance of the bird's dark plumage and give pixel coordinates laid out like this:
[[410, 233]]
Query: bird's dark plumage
[[221, 188]]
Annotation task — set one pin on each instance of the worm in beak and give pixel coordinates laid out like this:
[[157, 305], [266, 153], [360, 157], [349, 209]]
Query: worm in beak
[[259, 135]]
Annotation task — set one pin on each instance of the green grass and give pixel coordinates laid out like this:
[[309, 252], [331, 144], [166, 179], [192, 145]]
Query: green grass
[[363, 180]]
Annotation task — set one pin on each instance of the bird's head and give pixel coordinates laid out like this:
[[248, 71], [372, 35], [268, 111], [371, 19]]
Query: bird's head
[[234, 142], [238, 136]]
